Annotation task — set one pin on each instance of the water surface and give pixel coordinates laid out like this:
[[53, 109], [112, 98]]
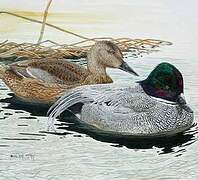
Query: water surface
[[74, 152]]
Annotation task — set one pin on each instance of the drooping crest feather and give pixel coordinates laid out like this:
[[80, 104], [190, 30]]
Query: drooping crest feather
[[85, 94]]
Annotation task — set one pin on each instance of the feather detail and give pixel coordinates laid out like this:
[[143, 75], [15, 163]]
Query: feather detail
[[99, 94], [123, 109]]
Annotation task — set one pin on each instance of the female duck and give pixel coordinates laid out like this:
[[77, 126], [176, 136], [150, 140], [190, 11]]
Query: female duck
[[154, 107], [44, 80]]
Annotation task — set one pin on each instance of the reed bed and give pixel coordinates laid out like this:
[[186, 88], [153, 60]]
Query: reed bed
[[50, 49]]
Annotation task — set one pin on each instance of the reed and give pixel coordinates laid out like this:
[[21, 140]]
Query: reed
[[44, 21], [75, 50], [50, 49]]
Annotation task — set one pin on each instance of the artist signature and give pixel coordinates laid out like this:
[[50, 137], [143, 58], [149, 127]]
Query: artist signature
[[23, 156]]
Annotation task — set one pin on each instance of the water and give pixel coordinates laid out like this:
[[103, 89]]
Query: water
[[74, 152]]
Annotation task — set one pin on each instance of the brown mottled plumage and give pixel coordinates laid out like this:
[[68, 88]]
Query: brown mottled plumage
[[44, 80]]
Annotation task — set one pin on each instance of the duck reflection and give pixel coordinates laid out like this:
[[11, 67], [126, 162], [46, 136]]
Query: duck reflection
[[16, 104], [70, 124]]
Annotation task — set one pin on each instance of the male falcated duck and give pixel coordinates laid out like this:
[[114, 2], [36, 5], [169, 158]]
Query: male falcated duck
[[44, 80], [154, 107]]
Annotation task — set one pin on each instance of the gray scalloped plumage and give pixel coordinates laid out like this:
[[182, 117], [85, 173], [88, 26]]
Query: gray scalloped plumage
[[125, 110]]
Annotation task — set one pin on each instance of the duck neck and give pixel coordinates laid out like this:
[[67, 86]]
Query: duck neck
[[94, 66]]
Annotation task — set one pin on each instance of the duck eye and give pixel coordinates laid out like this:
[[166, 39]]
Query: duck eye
[[111, 51]]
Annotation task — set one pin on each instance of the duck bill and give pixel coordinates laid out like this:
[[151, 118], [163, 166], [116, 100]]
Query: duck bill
[[182, 103], [125, 67]]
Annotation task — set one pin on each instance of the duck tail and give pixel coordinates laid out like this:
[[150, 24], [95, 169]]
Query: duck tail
[[2, 71], [67, 100]]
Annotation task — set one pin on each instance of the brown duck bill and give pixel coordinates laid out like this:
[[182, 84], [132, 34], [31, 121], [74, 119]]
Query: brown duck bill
[[125, 67]]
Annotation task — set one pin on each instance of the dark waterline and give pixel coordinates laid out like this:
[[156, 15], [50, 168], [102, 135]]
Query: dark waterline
[[70, 124]]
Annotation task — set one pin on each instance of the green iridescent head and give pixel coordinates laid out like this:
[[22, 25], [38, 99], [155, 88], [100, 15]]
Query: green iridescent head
[[165, 82]]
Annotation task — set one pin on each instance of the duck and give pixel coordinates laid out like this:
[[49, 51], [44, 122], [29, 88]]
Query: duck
[[152, 107], [43, 81]]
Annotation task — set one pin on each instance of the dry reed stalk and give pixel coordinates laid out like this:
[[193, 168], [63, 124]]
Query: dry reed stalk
[[47, 24], [57, 50], [44, 21], [73, 50]]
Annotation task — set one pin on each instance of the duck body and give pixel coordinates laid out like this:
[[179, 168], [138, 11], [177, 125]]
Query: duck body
[[44, 80], [139, 116], [126, 110]]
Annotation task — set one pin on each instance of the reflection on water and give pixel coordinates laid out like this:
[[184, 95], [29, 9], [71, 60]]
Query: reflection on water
[[69, 123], [16, 104], [166, 143]]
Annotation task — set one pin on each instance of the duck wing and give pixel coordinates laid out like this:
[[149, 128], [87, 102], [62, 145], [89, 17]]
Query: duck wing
[[111, 95], [50, 70]]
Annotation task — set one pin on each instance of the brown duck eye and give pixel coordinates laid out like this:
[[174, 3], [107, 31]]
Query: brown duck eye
[[111, 51]]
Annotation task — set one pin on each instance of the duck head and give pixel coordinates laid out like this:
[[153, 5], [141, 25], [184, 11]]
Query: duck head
[[165, 82], [107, 54]]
